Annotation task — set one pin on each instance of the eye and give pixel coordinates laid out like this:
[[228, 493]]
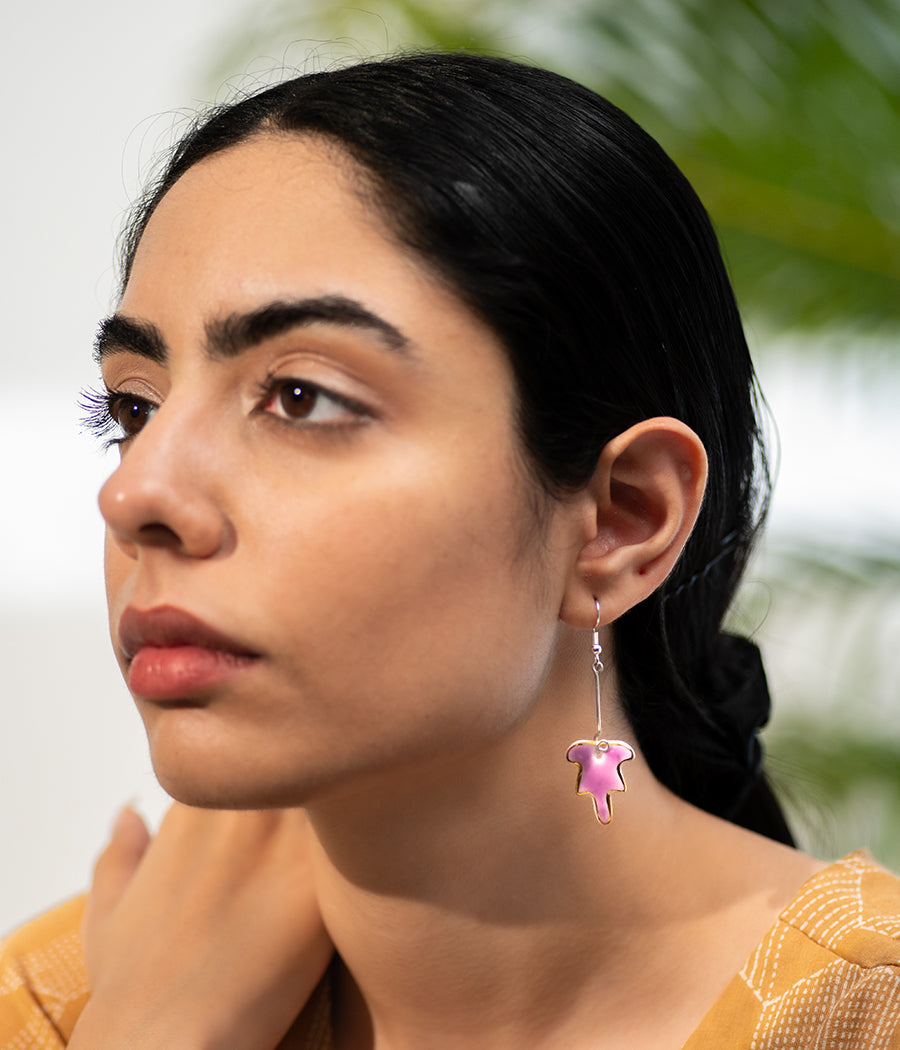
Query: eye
[[117, 413], [131, 414], [300, 401]]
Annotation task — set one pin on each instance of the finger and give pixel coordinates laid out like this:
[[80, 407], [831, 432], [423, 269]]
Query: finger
[[130, 833], [117, 864]]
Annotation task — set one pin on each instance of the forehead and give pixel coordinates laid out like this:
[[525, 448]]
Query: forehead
[[270, 210], [281, 218], [272, 216]]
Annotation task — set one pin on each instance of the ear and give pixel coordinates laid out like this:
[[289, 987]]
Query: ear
[[645, 496]]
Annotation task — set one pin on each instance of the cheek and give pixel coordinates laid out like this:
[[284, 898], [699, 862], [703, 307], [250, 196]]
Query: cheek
[[424, 530], [414, 600]]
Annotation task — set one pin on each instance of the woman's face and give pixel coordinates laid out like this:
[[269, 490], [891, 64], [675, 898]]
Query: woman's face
[[320, 555]]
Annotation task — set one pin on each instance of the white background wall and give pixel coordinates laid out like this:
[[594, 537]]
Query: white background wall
[[81, 84]]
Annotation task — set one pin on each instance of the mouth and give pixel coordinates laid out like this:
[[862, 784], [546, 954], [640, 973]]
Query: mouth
[[171, 655]]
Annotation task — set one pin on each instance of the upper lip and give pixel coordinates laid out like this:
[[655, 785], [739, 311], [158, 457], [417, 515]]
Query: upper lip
[[165, 626]]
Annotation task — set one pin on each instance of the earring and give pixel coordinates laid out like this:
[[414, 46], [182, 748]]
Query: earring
[[599, 760]]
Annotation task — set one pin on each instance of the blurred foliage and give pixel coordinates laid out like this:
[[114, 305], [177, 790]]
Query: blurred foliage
[[838, 789], [831, 640], [786, 118]]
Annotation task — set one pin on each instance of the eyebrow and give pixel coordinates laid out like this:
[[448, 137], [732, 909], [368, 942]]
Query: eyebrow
[[230, 336]]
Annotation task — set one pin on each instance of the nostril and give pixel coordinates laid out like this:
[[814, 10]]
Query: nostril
[[155, 534]]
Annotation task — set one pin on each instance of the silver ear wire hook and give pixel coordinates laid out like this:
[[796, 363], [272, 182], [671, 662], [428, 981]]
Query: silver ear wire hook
[[597, 667]]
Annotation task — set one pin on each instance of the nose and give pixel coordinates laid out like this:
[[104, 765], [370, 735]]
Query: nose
[[164, 493]]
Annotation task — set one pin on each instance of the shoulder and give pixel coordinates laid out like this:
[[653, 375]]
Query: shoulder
[[827, 973], [43, 983], [832, 962], [851, 910]]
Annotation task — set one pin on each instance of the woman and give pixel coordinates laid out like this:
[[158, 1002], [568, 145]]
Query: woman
[[438, 445]]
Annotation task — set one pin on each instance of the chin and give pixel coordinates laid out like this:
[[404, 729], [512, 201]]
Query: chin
[[203, 761], [212, 779], [192, 788]]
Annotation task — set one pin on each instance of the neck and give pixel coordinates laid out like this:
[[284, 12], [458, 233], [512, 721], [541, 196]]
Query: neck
[[434, 904], [491, 883]]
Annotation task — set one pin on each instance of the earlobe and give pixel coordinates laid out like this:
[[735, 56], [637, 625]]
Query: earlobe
[[647, 492]]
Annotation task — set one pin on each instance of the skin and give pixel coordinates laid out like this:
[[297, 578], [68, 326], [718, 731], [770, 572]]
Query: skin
[[422, 665]]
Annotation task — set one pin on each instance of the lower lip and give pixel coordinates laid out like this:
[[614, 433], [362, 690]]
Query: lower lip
[[180, 672]]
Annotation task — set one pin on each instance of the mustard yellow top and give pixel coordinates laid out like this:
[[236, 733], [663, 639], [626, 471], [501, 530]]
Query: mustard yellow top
[[826, 975]]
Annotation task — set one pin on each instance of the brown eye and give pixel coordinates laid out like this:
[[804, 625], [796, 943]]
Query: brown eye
[[296, 400], [131, 413], [307, 404]]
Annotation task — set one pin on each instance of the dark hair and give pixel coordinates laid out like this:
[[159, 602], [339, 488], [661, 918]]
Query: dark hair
[[573, 235]]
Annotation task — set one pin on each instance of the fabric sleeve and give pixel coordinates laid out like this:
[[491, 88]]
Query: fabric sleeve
[[43, 982]]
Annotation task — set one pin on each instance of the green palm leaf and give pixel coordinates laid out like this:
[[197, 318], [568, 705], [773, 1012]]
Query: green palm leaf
[[785, 116]]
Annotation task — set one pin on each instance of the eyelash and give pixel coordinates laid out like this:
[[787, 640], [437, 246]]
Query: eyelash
[[99, 411], [100, 408]]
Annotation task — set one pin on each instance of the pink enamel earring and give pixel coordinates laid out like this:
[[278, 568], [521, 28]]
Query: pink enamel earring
[[599, 760]]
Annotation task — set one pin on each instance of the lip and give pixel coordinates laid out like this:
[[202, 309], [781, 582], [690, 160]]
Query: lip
[[172, 655]]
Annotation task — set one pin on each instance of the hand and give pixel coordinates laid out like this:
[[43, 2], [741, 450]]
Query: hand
[[207, 936]]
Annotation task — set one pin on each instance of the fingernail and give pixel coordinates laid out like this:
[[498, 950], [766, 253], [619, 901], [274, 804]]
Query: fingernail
[[125, 816]]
